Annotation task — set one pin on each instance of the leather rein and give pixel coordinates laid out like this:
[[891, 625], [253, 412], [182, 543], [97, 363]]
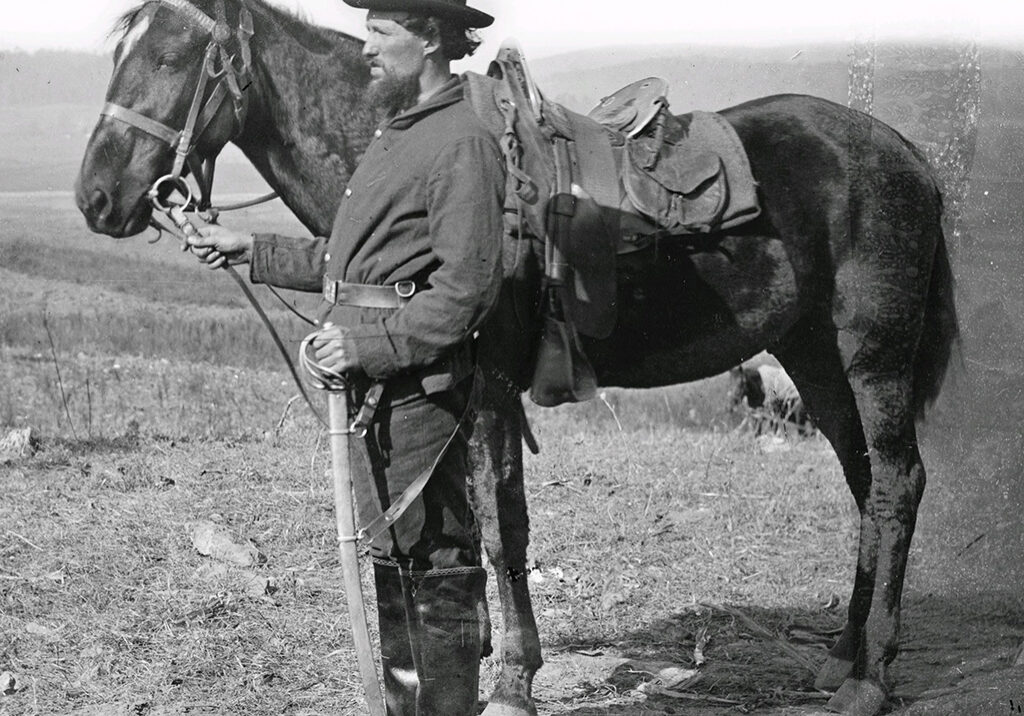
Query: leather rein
[[232, 84]]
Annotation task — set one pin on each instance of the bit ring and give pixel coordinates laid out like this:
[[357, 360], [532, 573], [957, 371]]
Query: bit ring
[[177, 183]]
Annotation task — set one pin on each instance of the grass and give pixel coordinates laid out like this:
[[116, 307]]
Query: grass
[[148, 280], [232, 337], [106, 608], [110, 397], [654, 519], [672, 515], [128, 298], [103, 600]]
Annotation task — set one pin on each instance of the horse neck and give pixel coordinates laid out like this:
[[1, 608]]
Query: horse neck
[[306, 127]]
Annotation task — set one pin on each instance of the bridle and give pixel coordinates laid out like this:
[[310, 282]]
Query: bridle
[[231, 84]]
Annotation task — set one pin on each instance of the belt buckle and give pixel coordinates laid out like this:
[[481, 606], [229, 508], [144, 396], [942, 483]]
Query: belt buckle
[[330, 290], [405, 289]]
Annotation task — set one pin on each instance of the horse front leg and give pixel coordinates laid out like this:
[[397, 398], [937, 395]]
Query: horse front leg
[[499, 501]]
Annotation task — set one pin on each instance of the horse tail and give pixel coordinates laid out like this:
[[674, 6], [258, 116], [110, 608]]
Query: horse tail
[[941, 333]]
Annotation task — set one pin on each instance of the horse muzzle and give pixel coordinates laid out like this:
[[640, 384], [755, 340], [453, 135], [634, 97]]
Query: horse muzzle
[[105, 214], [110, 191]]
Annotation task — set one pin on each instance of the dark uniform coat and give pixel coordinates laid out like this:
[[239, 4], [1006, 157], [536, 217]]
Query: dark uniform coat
[[424, 205]]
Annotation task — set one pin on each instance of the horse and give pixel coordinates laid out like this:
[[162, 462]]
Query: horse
[[844, 277]]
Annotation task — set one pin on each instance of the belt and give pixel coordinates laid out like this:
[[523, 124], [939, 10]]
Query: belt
[[340, 293]]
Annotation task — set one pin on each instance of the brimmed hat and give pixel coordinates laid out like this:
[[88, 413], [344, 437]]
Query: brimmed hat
[[454, 9]]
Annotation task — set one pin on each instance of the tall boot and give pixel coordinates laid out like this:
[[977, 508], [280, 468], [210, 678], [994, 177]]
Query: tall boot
[[446, 639], [397, 664]]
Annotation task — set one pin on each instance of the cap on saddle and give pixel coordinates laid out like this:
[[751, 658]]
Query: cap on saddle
[[453, 9]]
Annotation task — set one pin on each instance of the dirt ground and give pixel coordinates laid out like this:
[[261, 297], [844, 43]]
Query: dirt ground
[[767, 596], [962, 645], [106, 609], [962, 650]]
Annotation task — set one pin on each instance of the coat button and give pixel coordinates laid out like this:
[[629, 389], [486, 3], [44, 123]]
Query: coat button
[[327, 257], [348, 192], [378, 134]]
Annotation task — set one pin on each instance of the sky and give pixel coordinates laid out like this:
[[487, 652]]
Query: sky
[[546, 27]]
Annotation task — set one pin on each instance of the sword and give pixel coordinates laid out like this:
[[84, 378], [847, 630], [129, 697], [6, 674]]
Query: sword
[[340, 431], [347, 538]]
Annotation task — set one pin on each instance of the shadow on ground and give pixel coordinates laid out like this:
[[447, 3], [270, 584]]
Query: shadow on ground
[[963, 620], [957, 657]]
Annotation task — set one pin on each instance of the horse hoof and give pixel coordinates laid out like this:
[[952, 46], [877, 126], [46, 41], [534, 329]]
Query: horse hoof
[[833, 674], [857, 697], [495, 709]]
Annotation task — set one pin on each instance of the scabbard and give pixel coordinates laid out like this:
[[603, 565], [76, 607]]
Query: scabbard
[[345, 515]]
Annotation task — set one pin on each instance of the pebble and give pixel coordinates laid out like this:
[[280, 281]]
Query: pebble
[[8, 683]]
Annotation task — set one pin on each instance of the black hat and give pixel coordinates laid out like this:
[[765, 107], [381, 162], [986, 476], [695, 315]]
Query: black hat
[[454, 9]]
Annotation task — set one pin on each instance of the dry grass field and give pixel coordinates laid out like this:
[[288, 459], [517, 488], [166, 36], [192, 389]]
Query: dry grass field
[[679, 564]]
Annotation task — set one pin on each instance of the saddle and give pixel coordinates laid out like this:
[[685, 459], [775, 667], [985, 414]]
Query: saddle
[[687, 174], [596, 186]]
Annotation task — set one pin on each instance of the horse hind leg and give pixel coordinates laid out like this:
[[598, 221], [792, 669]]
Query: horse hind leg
[[499, 502], [812, 360], [886, 408], [883, 315]]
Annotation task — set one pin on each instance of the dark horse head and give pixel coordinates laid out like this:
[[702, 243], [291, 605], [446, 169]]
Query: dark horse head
[[191, 75], [159, 67]]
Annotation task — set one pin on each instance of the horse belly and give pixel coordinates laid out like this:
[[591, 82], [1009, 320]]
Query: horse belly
[[684, 316]]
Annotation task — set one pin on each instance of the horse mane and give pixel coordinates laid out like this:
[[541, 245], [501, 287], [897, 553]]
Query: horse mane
[[315, 38], [124, 21]]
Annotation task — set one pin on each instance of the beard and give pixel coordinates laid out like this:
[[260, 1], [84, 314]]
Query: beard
[[393, 93]]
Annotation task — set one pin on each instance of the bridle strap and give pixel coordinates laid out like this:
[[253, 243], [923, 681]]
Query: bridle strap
[[202, 171], [229, 82], [191, 12], [159, 129], [185, 143], [245, 33], [141, 121]]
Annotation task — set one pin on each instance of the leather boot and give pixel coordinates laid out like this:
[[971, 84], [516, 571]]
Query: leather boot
[[397, 665], [446, 639]]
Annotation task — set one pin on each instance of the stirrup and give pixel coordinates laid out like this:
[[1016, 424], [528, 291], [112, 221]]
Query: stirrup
[[630, 109]]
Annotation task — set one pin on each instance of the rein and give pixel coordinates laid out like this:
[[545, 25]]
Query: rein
[[176, 214], [231, 83]]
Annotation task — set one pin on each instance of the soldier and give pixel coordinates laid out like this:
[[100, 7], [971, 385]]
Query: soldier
[[409, 273]]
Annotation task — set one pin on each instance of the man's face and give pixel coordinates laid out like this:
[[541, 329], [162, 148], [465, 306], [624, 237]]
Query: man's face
[[393, 52]]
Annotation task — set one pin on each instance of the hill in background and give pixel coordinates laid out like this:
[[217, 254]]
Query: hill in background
[[49, 102], [49, 77]]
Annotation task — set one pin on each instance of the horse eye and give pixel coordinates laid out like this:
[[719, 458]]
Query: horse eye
[[168, 59]]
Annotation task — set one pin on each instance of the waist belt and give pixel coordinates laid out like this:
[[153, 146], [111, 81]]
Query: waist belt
[[340, 293]]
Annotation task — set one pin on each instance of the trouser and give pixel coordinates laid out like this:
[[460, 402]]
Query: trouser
[[427, 564]]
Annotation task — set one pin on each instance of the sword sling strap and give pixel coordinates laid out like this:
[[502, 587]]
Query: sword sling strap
[[390, 516]]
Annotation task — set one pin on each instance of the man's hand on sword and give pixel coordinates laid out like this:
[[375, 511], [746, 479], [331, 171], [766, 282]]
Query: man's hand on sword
[[334, 350]]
